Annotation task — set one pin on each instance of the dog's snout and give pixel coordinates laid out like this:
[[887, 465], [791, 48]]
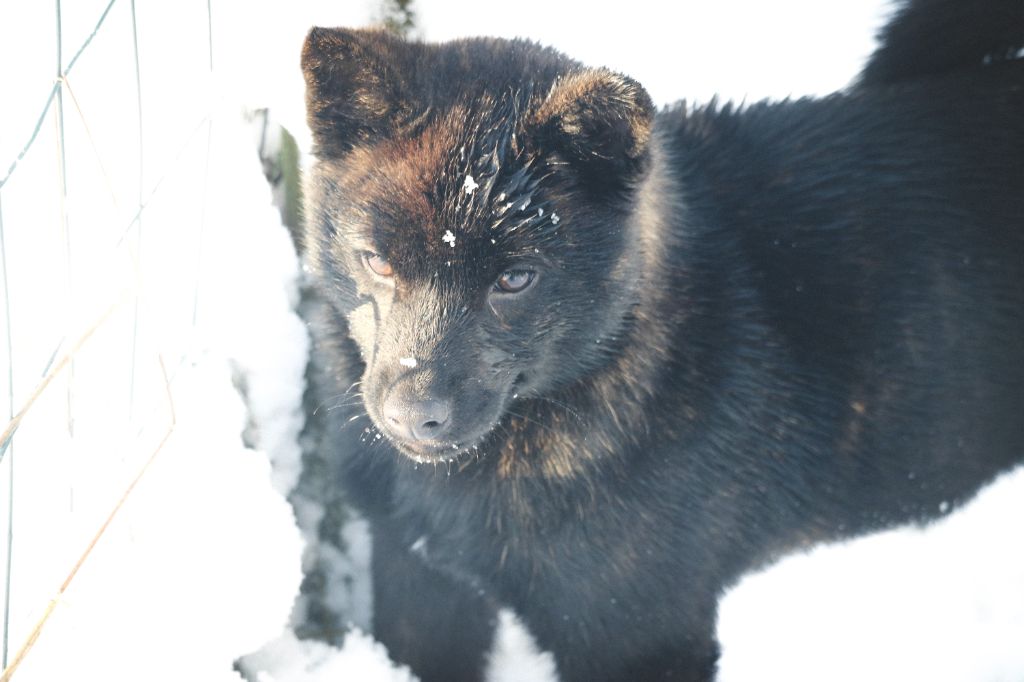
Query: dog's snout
[[422, 419]]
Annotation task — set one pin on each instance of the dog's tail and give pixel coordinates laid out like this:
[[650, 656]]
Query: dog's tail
[[931, 37]]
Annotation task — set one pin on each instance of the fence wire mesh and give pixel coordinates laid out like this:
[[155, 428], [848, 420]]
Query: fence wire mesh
[[90, 232]]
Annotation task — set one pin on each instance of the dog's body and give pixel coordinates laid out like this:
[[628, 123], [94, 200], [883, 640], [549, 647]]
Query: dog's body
[[631, 356]]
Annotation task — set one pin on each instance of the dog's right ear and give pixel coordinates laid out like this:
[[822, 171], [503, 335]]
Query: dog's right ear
[[601, 122], [354, 87]]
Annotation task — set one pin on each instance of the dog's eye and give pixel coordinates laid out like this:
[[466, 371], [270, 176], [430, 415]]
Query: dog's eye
[[514, 281], [377, 264]]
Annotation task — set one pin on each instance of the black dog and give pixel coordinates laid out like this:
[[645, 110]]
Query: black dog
[[611, 359]]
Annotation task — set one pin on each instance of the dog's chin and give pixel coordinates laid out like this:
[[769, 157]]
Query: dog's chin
[[438, 452]]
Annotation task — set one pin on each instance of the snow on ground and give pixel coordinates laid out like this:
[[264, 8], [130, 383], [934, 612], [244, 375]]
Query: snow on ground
[[288, 659], [202, 564], [944, 604]]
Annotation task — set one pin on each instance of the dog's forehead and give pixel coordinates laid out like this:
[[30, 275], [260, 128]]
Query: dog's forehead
[[461, 190]]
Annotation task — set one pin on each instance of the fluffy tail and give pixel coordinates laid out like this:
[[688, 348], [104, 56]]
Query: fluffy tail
[[930, 37]]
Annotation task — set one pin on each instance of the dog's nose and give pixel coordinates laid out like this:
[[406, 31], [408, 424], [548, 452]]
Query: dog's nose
[[417, 419]]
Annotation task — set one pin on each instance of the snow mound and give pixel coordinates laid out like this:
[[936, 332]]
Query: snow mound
[[944, 603], [288, 659]]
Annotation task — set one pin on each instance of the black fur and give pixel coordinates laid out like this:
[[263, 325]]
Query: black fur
[[749, 330], [933, 37]]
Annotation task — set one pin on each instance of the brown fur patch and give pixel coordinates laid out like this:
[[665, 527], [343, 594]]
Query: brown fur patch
[[601, 106]]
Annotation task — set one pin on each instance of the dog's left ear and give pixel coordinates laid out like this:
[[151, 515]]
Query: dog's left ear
[[601, 122], [355, 87]]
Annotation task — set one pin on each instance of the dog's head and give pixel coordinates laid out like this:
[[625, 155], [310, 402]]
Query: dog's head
[[467, 215]]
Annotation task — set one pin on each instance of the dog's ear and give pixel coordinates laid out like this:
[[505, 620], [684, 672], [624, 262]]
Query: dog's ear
[[354, 87], [601, 122]]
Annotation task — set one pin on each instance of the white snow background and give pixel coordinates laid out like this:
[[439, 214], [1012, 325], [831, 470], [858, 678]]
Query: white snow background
[[202, 563]]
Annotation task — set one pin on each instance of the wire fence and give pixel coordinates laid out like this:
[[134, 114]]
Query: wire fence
[[90, 225]]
